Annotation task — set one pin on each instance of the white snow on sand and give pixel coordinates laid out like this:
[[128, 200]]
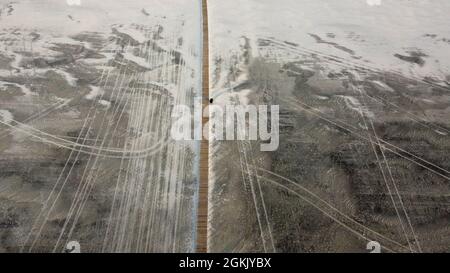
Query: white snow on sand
[[71, 80], [25, 90], [6, 116], [133, 33], [95, 92], [42, 24], [138, 60], [105, 103], [354, 104], [383, 86], [91, 15], [373, 30]]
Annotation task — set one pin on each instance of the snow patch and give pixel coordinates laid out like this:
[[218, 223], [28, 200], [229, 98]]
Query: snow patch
[[95, 92], [6, 116], [71, 80], [133, 33], [354, 104], [25, 90], [384, 86], [105, 103], [138, 60]]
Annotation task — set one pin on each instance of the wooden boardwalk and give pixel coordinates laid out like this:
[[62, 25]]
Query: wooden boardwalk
[[202, 218]]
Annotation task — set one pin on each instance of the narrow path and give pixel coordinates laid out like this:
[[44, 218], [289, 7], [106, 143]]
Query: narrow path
[[202, 218]]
